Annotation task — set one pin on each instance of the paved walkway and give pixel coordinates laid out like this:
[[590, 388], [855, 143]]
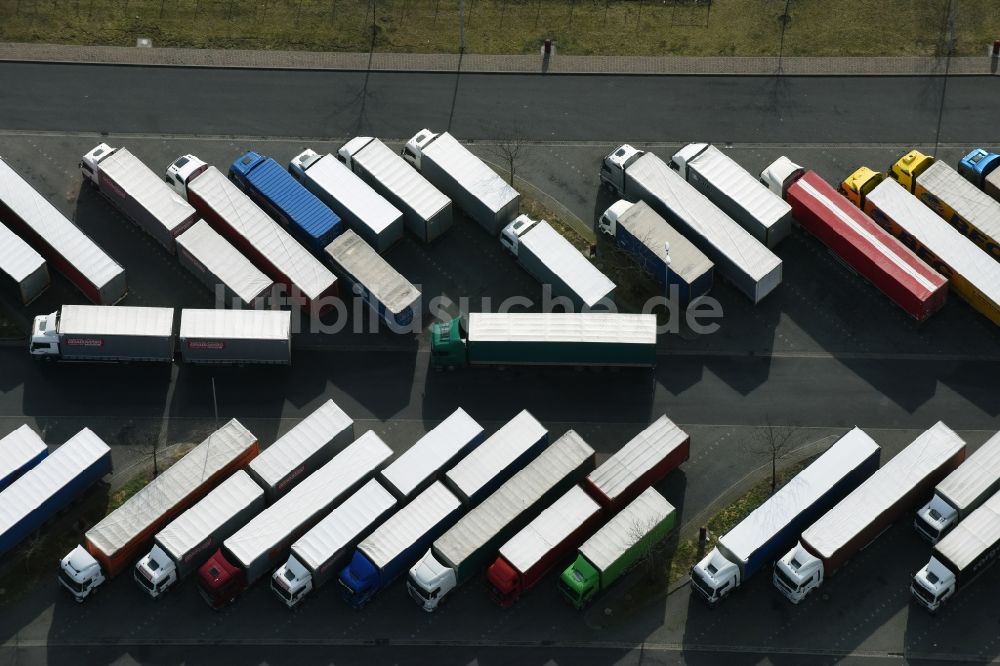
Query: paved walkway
[[476, 63]]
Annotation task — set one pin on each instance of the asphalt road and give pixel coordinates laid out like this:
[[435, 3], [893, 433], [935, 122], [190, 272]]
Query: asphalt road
[[167, 100]]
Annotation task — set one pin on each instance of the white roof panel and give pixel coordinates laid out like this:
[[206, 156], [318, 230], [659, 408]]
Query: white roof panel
[[973, 477], [979, 532], [296, 446], [471, 172], [925, 455], [19, 448], [212, 250], [198, 523], [736, 182], [367, 266], [116, 320], [236, 324], [642, 453], [549, 529], [617, 536], [343, 525], [649, 227], [353, 193], [61, 234], [17, 258], [425, 458], [400, 178], [147, 189], [574, 269], [963, 197], [171, 487], [594, 327], [264, 234], [407, 525]]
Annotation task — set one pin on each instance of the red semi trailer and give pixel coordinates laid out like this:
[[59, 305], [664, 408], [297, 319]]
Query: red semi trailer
[[871, 251]]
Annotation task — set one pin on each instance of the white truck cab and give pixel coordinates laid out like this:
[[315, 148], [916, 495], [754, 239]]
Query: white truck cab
[[715, 577], [414, 147], [80, 573], [935, 518], [303, 161], [681, 158], [430, 581], [182, 170], [155, 572], [348, 150], [292, 582], [781, 173], [88, 165], [798, 573], [44, 342], [933, 585], [614, 165], [608, 221], [511, 235]]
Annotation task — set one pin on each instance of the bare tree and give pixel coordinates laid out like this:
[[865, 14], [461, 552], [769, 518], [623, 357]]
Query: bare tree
[[508, 147], [647, 550], [773, 442]]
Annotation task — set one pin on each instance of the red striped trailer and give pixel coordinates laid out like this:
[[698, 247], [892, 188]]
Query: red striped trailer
[[871, 251]]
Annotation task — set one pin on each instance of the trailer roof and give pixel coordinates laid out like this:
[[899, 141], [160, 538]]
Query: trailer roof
[[147, 188], [549, 529], [471, 172], [198, 523], [649, 227], [367, 267], [621, 532], [307, 437], [703, 217], [736, 182], [264, 234], [212, 250], [407, 525], [343, 525], [62, 235], [957, 251], [796, 496], [592, 327], [925, 455], [18, 448], [116, 320], [979, 532], [425, 458], [387, 167], [973, 477], [494, 455], [17, 258], [236, 324], [526, 488], [643, 452], [354, 194], [49, 476], [321, 488], [172, 486], [971, 203], [559, 255]]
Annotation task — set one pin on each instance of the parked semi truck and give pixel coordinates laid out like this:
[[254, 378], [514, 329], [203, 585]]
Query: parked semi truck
[[22, 268], [272, 249], [636, 175], [113, 544], [361, 207], [760, 538], [184, 545], [62, 243], [969, 550], [371, 277], [51, 486], [557, 338], [962, 492], [858, 519], [617, 547], [259, 546], [286, 200], [764, 214], [468, 547], [104, 333], [651, 242], [970, 272], [20, 450], [973, 212], [426, 211], [235, 337], [323, 551], [866, 248], [979, 167], [222, 268], [470, 183], [560, 529], [135, 190], [553, 261]]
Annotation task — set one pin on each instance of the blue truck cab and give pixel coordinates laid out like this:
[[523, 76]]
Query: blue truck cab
[[977, 165]]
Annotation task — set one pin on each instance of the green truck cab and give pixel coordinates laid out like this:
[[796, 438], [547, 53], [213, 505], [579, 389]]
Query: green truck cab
[[448, 343]]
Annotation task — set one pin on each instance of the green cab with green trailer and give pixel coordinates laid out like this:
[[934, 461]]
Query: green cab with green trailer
[[557, 338], [617, 547]]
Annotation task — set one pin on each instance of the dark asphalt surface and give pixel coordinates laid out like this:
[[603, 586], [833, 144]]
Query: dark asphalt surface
[[474, 106]]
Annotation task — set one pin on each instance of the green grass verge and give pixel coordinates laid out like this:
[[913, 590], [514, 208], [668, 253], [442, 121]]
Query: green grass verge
[[581, 27]]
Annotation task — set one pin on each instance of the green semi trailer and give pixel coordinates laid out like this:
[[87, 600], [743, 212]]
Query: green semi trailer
[[617, 547], [558, 338]]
